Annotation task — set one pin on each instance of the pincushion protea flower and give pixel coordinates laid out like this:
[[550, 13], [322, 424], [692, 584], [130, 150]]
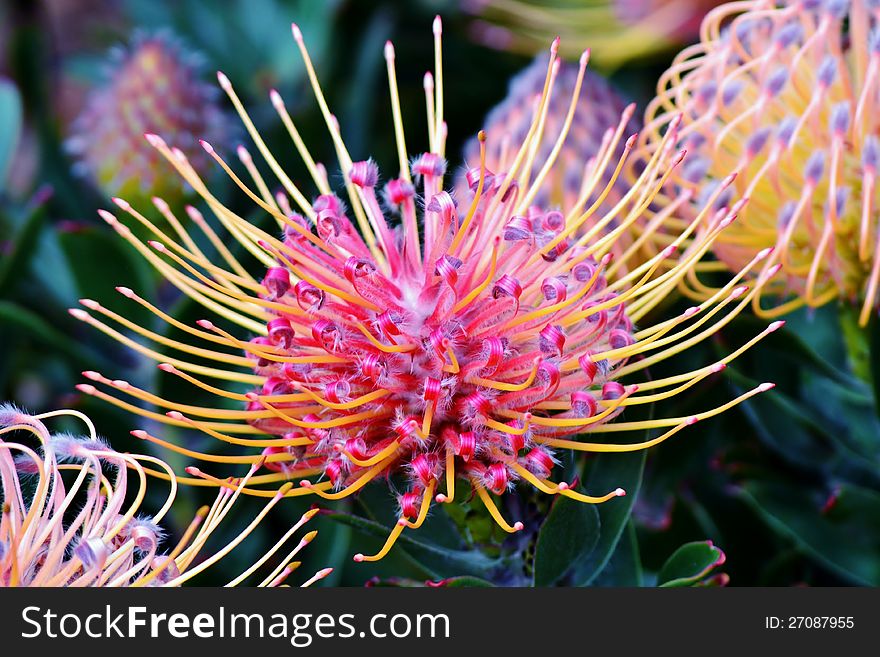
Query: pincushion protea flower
[[154, 85], [618, 31], [434, 340], [599, 110], [90, 532], [786, 93]]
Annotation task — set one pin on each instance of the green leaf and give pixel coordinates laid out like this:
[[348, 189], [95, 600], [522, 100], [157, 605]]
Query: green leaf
[[689, 564], [843, 533], [333, 543], [439, 562], [17, 262], [16, 319], [463, 582], [850, 421], [92, 253], [873, 331], [361, 103], [624, 568], [810, 339], [448, 583], [855, 338], [800, 431], [10, 126], [607, 472], [569, 534]]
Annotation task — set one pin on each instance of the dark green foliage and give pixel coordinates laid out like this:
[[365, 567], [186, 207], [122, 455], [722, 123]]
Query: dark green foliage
[[690, 564]]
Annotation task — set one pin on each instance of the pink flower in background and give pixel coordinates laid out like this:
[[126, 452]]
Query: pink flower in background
[[72, 516], [599, 107], [153, 85]]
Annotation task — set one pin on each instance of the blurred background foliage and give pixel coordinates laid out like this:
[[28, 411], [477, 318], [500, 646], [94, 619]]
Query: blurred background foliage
[[783, 490]]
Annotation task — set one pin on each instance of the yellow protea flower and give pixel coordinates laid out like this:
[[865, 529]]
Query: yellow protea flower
[[436, 339], [71, 516], [785, 92], [617, 31]]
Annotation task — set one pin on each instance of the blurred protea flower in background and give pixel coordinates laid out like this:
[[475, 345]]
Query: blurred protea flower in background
[[617, 31], [599, 110], [410, 335], [153, 85], [786, 93], [71, 516]]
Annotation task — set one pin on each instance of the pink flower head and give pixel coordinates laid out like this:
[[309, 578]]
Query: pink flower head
[[435, 338]]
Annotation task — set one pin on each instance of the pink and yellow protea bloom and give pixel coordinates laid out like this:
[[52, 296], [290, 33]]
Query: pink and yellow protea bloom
[[409, 333], [71, 516], [786, 94]]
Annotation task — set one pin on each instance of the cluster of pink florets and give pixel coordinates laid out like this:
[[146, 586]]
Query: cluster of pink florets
[[435, 333]]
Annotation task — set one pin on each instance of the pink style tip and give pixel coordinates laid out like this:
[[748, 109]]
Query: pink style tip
[[585, 58], [154, 140]]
